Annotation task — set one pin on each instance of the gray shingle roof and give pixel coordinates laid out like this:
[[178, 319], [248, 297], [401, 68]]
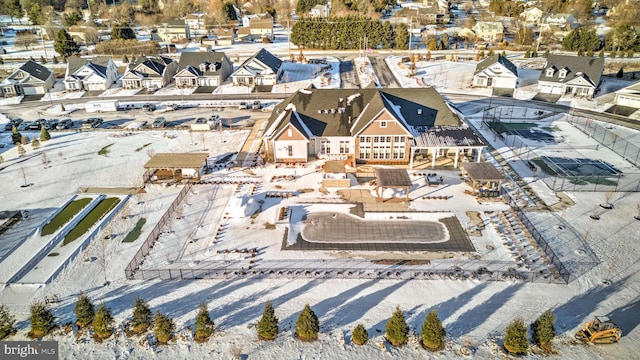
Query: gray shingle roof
[[194, 59], [266, 58], [36, 70], [496, 58], [98, 63], [589, 67]]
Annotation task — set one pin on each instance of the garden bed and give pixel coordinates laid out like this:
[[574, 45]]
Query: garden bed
[[64, 216], [94, 216]]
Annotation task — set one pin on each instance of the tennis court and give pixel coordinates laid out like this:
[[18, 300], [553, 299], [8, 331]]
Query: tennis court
[[577, 167], [535, 135]]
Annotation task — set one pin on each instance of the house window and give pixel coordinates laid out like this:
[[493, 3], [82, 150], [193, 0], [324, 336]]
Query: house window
[[549, 72], [365, 153], [398, 151], [398, 139], [562, 74], [344, 146], [365, 139], [382, 152], [289, 133], [290, 150], [325, 146], [383, 124]]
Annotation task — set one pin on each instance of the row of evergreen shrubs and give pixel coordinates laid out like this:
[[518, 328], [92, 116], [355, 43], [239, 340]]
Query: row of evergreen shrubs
[[432, 336]]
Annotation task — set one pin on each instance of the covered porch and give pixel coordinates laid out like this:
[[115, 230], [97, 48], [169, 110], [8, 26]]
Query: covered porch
[[457, 142]]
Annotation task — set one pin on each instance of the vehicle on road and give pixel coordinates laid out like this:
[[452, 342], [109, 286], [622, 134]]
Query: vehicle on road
[[149, 107], [256, 105], [93, 122], [64, 124], [243, 105], [159, 122]]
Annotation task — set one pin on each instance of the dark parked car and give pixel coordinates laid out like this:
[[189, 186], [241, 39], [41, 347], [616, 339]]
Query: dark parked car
[[159, 122], [64, 124], [148, 107], [13, 122], [91, 123], [25, 125], [201, 121], [51, 124], [36, 125]]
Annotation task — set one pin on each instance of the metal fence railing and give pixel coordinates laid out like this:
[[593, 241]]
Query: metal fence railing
[[147, 245]]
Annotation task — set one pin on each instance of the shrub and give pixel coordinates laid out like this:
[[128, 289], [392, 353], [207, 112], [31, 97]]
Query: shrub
[[24, 140], [7, 321], [543, 330], [268, 325], [21, 151], [35, 144], [360, 335], [612, 54], [84, 310], [204, 325], [515, 338], [163, 327], [16, 137], [103, 323], [142, 317], [527, 54], [42, 320], [307, 325], [397, 330], [433, 334], [546, 53], [44, 134], [601, 54]]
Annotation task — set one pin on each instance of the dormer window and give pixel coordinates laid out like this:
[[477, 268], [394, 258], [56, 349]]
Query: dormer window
[[550, 72], [203, 67], [562, 74]]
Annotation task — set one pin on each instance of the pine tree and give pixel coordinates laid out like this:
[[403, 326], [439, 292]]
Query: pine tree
[[543, 330], [204, 325], [527, 54], [7, 321], [43, 60], [360, 335], [125, 59], [44, 134], [491, 52], [397, 330], [504, 54], [433, 334], [546, 53], [163, 327], [534, 54], [268, 325], [35, 144], [21, 151], [142, 317], [42, 320], [84, 310], [103, 322], [515, 338], [55, 60], [612, 54], [64, 43], [620, 73], [16, 137], [307, 326], [601, 54]]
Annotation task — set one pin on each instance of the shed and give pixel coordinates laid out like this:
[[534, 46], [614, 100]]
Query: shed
[[393, 179], [485, 179], [175, 166]]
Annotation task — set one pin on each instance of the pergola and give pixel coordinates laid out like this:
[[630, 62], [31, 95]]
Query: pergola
[[486, 180], [441, 139], [393, 179], [176, 165]]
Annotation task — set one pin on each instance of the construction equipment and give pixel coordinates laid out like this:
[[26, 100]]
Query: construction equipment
[[601, 330]]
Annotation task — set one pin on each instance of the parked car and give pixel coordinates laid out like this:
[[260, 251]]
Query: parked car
[[64, 124], [256, 105], [159, 122], [25, 125], [13, 122], [201, 121], [51, 124], [148, 107], [91, 123], [243, 105], [37, 125]]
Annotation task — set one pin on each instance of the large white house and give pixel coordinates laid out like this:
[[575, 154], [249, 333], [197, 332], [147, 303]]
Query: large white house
[[263, 68], [97, 74], [496, 71], [571, 75], [629, 96], [149, 72]]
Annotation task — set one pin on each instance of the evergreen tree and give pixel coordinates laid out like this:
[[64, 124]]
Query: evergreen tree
[[42, 320], [360, 335], [590, 53], [543, 330], [580, 52], [397, 330], [444, 41], [504, 54], [125, 59], [620, 74], [44, 134], [14, 9], [433, 334], [601, 54], [515, 338], [612, 54], [402, 36], [163, 327], [103, 322], [35, 144], [268, 325], [21, 151], [142, 317], [7, 321], [84, 310], [630, 53], [534, 54], [527, 54], [307, 325], [491, 52], [55, 60], [42, 60], [204, 324], [64, 44], [546, 53], [16, 137], [122, 32]]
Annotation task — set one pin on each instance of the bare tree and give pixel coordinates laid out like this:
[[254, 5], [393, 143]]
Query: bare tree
[[25, 39], [45, 160]]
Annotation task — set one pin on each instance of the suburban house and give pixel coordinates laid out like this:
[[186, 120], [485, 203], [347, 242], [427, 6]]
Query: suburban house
[[571, 75], [563, 20], [532, 15], [496, 71], [196, 24], [319, 10], [367, 126], [149, 72], [203, 69], [221, 37], [97, 74], [258, 25], [175, 30], [29, 79], [489, 31], [262, 68], [629, 96]]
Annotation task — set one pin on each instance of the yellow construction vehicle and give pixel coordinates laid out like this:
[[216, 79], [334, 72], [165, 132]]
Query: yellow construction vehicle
[[600, 331]]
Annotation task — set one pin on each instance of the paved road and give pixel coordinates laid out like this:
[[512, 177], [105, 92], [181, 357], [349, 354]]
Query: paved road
[[384, 74], [348, 75]]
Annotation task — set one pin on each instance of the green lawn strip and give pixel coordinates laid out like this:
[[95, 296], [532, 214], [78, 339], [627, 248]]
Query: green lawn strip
[[143, 146], [105, 150], [502, 127], [134, 234], [92, 217], [65, 216]]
